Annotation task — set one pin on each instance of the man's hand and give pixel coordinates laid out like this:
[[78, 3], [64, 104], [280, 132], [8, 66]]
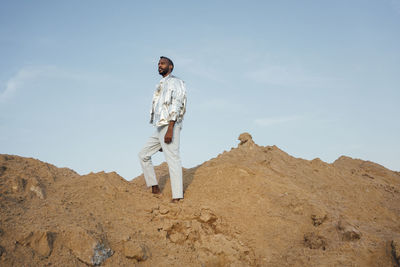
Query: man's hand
[[169, 133]]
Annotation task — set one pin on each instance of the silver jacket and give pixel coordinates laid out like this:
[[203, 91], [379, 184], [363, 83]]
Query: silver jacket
[[169, 101]]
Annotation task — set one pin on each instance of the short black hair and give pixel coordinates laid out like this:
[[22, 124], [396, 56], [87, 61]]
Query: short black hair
[[169, 61]]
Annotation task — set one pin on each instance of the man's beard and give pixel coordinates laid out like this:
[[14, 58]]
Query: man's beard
[[162, 71]]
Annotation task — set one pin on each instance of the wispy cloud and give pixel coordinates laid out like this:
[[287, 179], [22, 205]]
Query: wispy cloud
[[266, 122], [22, 77], [47, 73]]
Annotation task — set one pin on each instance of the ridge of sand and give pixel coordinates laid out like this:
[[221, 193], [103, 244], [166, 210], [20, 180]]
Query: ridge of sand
[[250, 206]]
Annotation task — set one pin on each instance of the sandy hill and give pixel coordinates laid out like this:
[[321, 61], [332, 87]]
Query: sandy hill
[[250, 206]]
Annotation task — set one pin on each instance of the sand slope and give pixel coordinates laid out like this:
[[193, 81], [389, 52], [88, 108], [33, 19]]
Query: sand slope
[[251, 206]]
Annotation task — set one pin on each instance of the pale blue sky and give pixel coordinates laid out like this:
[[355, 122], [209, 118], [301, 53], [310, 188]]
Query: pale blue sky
[[316, 78]]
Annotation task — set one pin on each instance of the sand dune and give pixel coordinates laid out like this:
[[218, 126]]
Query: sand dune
[[250, 206]]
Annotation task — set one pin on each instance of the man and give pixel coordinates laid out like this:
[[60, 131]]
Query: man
[[167, 111]]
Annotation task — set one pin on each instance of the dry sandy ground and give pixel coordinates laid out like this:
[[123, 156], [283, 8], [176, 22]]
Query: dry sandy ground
[[251, 206]]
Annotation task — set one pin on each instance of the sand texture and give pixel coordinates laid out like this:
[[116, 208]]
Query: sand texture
[[250, 206]]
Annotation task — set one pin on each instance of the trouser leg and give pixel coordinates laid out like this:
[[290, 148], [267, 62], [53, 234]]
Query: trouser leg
[[149, 149], [171, 153]]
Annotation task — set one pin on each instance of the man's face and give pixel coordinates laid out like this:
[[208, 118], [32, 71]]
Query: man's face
[[164, 67]]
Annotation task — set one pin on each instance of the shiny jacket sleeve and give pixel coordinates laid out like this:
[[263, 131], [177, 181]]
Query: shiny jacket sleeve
[[178, 100]]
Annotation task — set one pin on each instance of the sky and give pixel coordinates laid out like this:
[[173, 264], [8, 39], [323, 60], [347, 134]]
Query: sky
[[318, 79]]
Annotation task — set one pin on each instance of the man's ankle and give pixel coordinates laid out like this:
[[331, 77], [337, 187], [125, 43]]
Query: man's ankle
[[155, 189]]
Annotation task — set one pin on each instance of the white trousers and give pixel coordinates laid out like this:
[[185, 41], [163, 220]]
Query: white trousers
[[171, 153]]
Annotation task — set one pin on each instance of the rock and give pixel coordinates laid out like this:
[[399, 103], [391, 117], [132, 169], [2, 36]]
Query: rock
[[245, 139], [164, 211], [2, 251], [174, 211], [318, 219], [40, 242], [167, 225], [38, 191], [396, 251], [348, 231], [207, 216], [86, 247], [135, 250], [177, 237], [177, 232], [101, 253], [37, 188], [152, 209], [314, 241], [18, 184], [2, 170]]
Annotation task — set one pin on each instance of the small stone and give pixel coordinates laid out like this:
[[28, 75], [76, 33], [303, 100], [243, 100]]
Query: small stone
[[319, 219], [245, 139], [348, 231], [314, 241], [164, 211], [167, 225], [207, 216], [37, 188], [2, 251], [85, 247], [177, 237], [396, 251], [135, 250], [2, 170], [126, 237], [38, 191], [100, 254], [18, 184], [40, 242], [152, 209]]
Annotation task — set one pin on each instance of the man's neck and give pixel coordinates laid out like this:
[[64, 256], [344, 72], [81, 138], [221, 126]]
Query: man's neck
[[166, 74]]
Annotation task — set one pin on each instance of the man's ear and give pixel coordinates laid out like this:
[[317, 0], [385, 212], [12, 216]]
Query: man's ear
[[170, 67]]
